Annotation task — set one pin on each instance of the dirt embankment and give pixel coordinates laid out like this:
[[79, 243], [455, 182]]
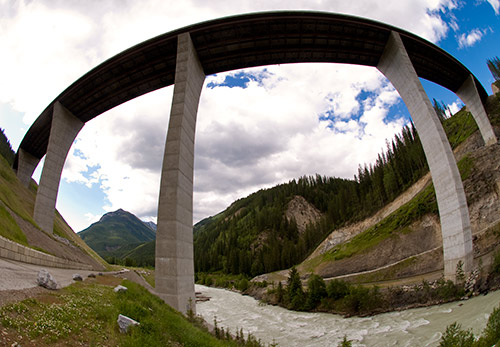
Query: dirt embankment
[[482, 189]]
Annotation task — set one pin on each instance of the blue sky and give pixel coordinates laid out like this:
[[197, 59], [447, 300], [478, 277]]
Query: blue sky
[[256, 128]]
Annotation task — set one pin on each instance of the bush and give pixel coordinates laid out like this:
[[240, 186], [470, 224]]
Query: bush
[[337, 289], [491, 334], [242, 285], [316, 291], [455, 336]]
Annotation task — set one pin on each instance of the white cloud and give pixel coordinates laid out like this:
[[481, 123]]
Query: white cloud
[[496, 5], [470, 39]]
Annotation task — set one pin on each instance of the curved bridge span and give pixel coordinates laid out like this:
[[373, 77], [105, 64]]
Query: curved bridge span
[[185, 56]]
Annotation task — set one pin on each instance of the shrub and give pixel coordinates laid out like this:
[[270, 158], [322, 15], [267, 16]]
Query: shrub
[[337, 289], [455, 336]]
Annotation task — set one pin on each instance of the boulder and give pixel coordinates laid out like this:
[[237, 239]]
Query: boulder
[[125, 322], [77, 277], [46, 280], [494, 88], [91, 275], [119, 288]]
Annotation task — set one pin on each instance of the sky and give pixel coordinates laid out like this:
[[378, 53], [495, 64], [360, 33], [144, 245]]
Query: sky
[[256, 127]]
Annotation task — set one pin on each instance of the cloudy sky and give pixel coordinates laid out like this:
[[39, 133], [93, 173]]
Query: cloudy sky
[[256, 127]]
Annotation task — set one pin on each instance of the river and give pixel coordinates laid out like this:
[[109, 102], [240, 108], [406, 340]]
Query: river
[[415, 327]]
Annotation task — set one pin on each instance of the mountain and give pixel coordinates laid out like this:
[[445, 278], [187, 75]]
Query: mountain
[[151, 225], [117, 233]]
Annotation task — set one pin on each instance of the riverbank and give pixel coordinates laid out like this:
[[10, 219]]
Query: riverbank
[[343, 298]]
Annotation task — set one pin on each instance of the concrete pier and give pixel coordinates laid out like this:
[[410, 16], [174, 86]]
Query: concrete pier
[[26, 166], [470, 96], [395, 64], [65, 127], [174, 236]]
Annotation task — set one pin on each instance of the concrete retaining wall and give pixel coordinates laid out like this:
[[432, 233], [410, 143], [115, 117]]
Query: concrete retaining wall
[[14, 251]]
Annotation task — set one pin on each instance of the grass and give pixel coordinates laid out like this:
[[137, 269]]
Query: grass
[[397, 222], [459, 127], [10, 229], [85, 313]]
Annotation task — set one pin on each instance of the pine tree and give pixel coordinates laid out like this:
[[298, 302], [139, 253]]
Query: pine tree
[[5, 148], [494, 66]]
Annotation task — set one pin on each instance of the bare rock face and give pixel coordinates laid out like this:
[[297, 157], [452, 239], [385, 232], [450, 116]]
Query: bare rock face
[[125, 323], [494, 88], [303, 212], [46, 280]]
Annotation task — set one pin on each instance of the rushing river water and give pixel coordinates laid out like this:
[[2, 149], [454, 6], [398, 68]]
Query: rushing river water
[[416, 327]]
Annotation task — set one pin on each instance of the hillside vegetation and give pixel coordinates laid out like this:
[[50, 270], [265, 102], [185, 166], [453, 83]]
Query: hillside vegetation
[[85, 314], [254, 236], [17, 224]]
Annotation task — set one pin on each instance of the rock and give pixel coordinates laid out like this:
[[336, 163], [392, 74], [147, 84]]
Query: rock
[[92, 275], [125, 322], [495, 89], [46, 280], [77, 277], [120, 288]]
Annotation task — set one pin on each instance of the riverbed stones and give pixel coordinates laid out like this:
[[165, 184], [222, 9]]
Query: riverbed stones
[[46, 280], [125, 323]]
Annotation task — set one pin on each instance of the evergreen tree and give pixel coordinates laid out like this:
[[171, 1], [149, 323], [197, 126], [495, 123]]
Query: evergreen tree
[[316, 291], [6, 149], [295, 292], [494, 66]]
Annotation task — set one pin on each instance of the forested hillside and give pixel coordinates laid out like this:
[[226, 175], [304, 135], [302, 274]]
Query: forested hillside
[[253, 236]]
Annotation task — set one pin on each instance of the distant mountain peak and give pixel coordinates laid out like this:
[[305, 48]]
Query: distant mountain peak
[[117, 213]]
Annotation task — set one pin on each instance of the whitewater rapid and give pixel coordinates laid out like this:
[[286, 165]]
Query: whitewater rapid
[[415, 327]]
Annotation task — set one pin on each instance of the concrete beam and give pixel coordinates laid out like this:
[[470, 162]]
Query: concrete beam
[[470, 96], [64, 128], [174, 235], [454, 214], [26, 165]]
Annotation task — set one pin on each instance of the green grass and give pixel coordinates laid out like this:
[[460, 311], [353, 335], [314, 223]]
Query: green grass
[[13, 194], [85, 313], [9, 228], [397, 222], [459, 127]]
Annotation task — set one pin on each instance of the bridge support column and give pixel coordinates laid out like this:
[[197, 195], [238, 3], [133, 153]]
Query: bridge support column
[[470, 96], [64, 128], [26, 166], [395, 64], [174, 235]]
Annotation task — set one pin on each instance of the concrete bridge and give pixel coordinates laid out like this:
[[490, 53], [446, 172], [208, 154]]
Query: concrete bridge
[[185, 56]]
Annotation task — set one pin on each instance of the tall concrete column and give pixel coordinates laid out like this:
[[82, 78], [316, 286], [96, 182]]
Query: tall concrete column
[[26, 165], [174, 235], [454, 214], [64, 128], [470, 96]]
